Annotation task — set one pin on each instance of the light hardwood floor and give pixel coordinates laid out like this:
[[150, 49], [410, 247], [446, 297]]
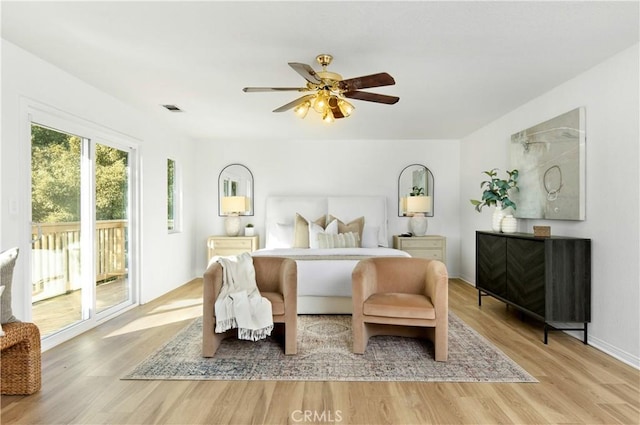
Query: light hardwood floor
[[81, 381]]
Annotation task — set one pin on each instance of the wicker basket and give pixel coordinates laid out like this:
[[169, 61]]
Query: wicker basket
[[20, 359]]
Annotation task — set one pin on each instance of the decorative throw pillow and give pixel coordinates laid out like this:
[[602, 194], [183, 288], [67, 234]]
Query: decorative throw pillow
[[281, 236], [7, 262], [355, 225], [301, 230], [1, 291], [341, 240], [370, 236], [315, 231]]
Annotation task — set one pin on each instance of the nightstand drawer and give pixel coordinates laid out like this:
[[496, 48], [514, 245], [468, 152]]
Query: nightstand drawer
[[433, 247], [432, 254], [222, 244], [411, 243], [230, 245]]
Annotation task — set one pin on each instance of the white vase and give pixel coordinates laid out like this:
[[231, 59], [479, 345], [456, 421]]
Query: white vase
[[249, 231], [509, 224], [496, 218]]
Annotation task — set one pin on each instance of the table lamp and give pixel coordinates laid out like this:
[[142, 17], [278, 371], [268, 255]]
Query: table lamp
[[417, 206], [232, 206]]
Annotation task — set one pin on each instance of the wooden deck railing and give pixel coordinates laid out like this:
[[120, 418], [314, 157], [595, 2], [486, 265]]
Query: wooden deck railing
[[56, 256]]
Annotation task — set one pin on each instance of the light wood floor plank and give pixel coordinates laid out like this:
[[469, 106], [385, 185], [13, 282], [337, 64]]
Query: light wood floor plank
[[81, 380]]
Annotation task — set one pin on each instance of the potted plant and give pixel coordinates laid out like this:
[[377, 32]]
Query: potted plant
[[496, 193], [417, 191], [249, 230]]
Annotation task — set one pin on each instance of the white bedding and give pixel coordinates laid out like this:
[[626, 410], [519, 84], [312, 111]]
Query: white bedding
[[331, 253], [327, 273], [324, 275]]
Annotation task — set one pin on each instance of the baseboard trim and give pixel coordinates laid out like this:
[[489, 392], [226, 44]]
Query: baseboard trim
[[595, 342], [615, 352]]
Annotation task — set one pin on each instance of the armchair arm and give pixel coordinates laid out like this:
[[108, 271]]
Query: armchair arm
[[212, 284], [437, 285], [288, 285], [364, 278]]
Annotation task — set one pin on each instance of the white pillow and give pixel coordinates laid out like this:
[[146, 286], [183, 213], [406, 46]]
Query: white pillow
[[370, 236], [281, 236], [341, 240], [316, 229]]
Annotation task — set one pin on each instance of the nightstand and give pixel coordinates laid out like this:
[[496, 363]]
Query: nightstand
[[231, 245], [433, 247]]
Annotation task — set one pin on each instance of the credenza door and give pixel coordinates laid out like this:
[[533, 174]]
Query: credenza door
[[491, 265], [526, 274]]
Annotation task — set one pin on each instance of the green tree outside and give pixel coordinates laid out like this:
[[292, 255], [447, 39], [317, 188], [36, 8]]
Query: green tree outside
[[55, 178]]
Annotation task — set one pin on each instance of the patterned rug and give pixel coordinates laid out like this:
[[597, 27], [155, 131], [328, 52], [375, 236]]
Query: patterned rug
[[324, 354]]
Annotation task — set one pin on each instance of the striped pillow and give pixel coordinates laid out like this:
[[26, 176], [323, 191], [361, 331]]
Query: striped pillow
[[341, 240]]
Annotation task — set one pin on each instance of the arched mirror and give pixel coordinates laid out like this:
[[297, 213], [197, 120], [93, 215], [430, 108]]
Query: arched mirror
[[235, 191], [415, 180]]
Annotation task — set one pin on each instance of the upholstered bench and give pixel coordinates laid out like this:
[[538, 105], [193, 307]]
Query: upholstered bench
[[20, 359]]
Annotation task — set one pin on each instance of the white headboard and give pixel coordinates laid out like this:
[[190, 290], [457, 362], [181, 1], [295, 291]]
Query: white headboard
[[281, 211]]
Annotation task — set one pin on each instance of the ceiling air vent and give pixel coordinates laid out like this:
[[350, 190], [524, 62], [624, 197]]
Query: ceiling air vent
[[172, 108]]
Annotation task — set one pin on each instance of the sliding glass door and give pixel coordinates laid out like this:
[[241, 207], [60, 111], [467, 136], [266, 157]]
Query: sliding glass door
[[111, 215], [80, 212], [58, 298]]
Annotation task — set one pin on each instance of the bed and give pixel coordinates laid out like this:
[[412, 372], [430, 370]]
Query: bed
[[324, 274]]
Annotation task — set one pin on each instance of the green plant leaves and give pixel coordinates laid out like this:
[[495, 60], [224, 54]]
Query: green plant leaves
[[497, 190]]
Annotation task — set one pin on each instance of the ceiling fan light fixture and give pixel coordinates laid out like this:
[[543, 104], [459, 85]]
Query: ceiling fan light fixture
[[320, 102], [327, 90], [328, 116], [345, 107], [302, 109]]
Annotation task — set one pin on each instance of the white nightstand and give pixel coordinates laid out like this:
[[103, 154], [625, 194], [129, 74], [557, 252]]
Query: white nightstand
[[433, 247], [231, 245]]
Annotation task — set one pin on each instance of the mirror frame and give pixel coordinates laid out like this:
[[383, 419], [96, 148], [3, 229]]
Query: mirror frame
[[404, 191], [242, 172]]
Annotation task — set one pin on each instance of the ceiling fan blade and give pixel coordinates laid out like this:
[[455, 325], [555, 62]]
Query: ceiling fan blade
[[306, 71], [294, 103], [265, 89], [371, 97], [368, 81], [335, 108]]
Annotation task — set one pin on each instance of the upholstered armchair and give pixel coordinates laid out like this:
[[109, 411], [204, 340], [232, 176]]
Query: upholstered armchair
[[400, 296], [277, 280]]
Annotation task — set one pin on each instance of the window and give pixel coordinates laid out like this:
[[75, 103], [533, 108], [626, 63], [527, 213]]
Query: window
[[173, 197]]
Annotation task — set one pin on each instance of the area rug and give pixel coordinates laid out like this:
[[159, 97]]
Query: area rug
[[324, 354]]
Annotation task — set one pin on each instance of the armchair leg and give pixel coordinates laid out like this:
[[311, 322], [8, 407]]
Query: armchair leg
[[290, 338], [441, 343], [211, 341], [360, 338]]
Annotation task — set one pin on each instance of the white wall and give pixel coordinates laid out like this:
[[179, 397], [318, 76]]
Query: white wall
[[168, 259], [609, 92], [321, 167]]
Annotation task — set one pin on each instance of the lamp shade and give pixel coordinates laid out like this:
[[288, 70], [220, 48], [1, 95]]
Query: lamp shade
[[234, 204], [418, 204]]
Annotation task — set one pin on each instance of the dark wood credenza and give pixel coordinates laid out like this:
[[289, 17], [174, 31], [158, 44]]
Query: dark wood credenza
[[547, 278]]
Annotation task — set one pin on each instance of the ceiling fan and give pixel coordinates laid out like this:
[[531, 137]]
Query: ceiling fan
[[328, 90]]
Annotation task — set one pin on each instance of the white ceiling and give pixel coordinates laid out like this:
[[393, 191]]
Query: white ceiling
[[457, 65]]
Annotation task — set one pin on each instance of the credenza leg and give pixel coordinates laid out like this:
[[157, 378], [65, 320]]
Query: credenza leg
[[546, 333], [548, 328]]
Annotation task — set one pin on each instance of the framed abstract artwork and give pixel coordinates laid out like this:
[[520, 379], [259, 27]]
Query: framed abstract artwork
[[550, 158]]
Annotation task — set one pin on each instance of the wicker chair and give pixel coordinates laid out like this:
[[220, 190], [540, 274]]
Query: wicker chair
[[20, 359]]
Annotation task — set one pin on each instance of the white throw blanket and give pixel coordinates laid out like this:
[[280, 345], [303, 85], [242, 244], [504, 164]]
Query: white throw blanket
[[239, 304]]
